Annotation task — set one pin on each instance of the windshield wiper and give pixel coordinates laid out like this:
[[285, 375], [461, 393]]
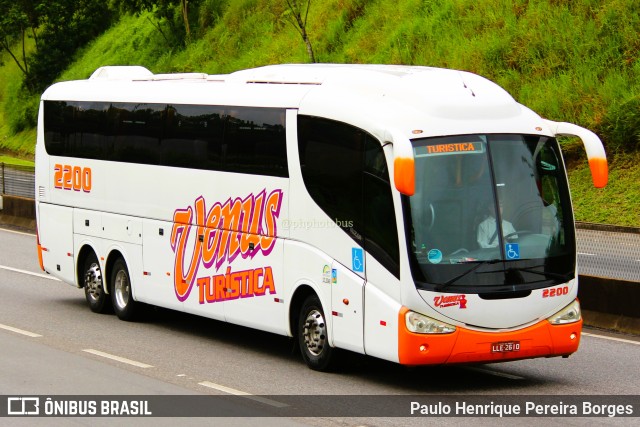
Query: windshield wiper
[[441, 286], [562, 277]]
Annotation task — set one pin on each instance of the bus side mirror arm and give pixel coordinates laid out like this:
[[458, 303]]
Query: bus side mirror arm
[[593, 146], [404, 172]]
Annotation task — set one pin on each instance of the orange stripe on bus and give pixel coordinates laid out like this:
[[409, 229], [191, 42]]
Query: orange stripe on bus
[[40, 250]]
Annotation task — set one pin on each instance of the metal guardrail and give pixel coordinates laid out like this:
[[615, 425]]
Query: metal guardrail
[[609, 251], [17, 180]]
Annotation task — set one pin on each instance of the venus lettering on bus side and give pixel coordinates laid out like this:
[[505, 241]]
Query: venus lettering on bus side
[[238, 226], [234, 285], [69, 177]]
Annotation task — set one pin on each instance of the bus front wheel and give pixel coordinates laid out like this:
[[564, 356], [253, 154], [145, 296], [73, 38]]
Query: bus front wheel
[[313, 338], [93, 284], [121, 296]]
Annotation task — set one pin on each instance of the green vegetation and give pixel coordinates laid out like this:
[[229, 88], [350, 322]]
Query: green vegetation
[[618, 202], [13, 161], [576, 61]]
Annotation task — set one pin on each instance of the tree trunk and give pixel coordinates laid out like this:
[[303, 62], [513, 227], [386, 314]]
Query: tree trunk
[[185, 17], [24, 54], [5, 46], [312, 57], [305, 37]]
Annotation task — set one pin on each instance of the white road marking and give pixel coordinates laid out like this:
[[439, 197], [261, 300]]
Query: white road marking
[[17, 232], [117, 358], [17, 270], [495, 373], [610, 338], [19, 331], [586, 254], [235, 392]]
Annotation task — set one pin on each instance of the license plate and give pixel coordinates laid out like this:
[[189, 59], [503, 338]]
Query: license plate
[[505, 347]]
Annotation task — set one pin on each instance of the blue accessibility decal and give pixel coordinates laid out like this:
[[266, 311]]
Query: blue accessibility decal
[[512, 250], [357, 260]]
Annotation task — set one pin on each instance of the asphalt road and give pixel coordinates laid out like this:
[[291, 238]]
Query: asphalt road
[[51, 344]]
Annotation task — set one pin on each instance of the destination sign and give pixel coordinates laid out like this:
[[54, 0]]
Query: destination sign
[[451, 148]]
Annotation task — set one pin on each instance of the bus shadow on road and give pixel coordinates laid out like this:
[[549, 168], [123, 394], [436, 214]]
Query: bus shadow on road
[[498, 378]]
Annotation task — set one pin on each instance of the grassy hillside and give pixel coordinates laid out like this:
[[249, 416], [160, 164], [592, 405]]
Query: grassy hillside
[[618, 203], [574, 61]]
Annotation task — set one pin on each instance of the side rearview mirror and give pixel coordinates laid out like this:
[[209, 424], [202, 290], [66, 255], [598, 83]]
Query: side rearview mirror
[[593, 146], [404, 171]]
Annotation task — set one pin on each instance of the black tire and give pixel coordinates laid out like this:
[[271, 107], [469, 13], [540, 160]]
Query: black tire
[[93, 283], [313, 338], [121, 297]]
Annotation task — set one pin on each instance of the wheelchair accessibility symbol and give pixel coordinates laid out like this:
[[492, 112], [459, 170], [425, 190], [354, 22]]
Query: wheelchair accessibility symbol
[[512, 251], [357, 260]]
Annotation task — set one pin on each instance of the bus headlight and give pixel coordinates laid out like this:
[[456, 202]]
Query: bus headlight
[[569, 314], [422, 324]]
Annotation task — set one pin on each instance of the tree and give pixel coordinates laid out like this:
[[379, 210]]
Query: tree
[[17, 17], [163, 9], [296, 9], [58, 27], [66, 26]]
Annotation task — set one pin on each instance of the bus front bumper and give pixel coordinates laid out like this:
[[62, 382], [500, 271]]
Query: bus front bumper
[[468, 346]]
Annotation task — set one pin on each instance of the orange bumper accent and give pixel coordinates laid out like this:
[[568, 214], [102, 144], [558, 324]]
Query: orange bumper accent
[[466, 346], [40, 261]]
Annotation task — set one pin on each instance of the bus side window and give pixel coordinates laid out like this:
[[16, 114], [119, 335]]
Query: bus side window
[[331, 160], [345, 172], [381, 234], [255, 141]]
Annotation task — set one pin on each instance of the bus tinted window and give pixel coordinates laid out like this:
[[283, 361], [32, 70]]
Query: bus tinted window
[[331, 158], [137, 130], [234, 139], [379, 216], [251, 141], [344, 170], [193, 136]]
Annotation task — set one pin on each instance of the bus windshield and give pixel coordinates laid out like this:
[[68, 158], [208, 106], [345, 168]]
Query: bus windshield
[[491, 215]]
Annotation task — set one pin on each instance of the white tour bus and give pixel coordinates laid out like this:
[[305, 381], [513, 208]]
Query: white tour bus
[[414, 214]]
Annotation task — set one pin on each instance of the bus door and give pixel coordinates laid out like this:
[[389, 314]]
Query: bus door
[[56, 237], [347, 290]]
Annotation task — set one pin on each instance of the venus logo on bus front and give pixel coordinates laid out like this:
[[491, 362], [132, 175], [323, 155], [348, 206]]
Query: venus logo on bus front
[[451, 301], [238, 227]]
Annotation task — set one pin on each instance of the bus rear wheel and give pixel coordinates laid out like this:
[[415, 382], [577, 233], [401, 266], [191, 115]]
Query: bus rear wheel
[[121, 296], [93, 285], [313, 338]]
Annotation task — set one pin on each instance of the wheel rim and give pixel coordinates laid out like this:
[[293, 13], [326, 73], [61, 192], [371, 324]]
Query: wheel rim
[[315, 332], [122, 289], [93, 282]]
